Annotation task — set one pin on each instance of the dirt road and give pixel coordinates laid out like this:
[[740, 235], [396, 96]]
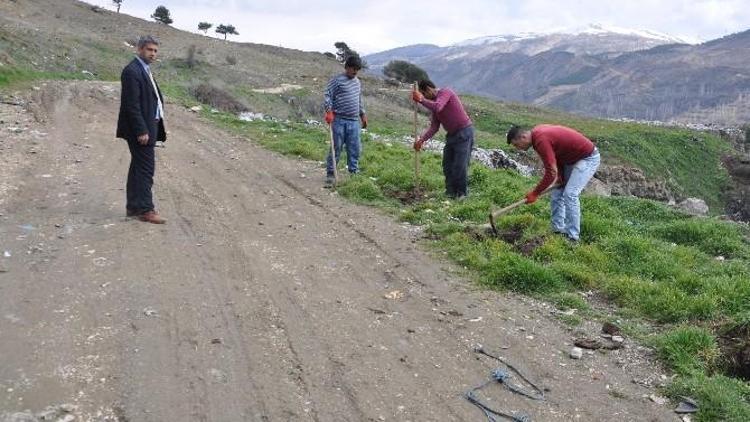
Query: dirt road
[[264, 297]]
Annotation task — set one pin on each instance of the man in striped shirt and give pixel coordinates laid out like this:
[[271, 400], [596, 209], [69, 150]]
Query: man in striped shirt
[[346, 115]]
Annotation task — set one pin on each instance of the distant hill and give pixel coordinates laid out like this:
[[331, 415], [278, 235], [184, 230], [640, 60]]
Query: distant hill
[[598, 71]]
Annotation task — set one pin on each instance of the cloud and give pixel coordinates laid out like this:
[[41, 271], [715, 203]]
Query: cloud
[[371, 26]]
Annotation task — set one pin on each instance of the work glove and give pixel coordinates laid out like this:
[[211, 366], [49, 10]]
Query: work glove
[[418, 144], [329, 117], [417, 96], [363, 119], [531, 197]]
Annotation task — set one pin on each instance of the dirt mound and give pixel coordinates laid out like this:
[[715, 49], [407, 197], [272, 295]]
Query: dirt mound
[[735, 348], [409, 197], [630, 181], [218, 98], [738, 205]]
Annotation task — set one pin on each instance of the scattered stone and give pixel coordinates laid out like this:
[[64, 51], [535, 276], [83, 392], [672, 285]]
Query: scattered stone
[[588, 343], [611, 329], [67, 418], [47, 415], [658, 399], [576, 353], [216, 341], [394, 295], [596, 344], [150, 312], [248, 116], [687, 405], [720, 258], [618, 339], [694, 206], [218, 375], [196, 109]]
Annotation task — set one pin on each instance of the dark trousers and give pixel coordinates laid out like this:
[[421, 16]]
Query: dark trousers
[[140, 178], [456, 157]]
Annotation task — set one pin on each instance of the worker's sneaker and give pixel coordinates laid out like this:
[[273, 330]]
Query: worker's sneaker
[[330, 181], [131, 212], [151, 217]]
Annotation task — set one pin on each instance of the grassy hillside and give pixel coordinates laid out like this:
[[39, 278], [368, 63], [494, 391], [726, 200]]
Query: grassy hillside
[[678, 283]]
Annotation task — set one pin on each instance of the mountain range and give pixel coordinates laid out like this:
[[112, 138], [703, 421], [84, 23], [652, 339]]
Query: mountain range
[[599, 71]]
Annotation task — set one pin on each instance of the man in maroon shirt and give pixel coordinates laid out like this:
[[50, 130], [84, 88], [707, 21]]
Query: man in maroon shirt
[[570, 159], [447, 110]]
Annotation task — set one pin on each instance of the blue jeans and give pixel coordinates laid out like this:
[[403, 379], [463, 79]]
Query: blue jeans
[[345, 132], [566, 206]]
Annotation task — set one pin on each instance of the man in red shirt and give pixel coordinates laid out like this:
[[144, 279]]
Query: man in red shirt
[[447, 110], [570, 159]]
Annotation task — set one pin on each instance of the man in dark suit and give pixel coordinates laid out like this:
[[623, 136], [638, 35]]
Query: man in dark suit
[[141, 123]]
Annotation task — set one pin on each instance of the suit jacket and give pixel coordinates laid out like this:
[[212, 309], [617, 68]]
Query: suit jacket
[[138, 106]]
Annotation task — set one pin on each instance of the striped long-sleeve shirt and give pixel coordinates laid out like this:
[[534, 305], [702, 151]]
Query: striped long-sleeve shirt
[[343, 96]]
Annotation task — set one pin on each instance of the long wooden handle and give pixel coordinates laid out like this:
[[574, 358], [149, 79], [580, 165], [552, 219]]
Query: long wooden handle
[[333, 157], [510, 207], [416, 137], [520, 202]]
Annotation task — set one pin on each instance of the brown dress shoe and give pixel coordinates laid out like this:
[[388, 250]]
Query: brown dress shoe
[[152, 217]]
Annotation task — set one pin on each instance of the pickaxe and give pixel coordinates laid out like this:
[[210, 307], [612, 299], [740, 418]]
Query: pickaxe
[[496, 213]]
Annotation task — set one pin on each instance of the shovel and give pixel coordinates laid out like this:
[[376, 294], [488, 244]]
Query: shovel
[[333, 156], [497, 213]]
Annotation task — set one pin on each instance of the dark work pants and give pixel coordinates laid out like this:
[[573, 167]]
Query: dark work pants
[[140, 178], [456, 157]]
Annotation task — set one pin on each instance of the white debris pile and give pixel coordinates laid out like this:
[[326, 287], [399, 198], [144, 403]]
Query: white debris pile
[[492, 158]]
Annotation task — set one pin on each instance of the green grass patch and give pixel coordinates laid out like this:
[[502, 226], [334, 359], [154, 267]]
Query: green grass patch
[[14, 76]]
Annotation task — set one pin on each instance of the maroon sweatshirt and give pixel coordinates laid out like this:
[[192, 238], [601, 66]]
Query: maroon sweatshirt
[[558, 146], [448, 110]]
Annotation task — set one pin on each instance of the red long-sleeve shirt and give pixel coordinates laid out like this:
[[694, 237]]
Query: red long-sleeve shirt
[[558, 146], [448, 110]]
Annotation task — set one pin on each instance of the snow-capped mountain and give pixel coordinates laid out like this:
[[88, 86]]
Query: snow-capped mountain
[[595, 70], [591, 29], [592, 39]]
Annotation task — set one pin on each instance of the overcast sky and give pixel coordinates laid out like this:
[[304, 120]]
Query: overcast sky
[[377, 25]]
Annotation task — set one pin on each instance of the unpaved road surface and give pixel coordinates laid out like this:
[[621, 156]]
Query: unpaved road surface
[[264, 297]]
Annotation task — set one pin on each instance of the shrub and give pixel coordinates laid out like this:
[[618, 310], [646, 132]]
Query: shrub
[[217, 98], [404, 71]]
